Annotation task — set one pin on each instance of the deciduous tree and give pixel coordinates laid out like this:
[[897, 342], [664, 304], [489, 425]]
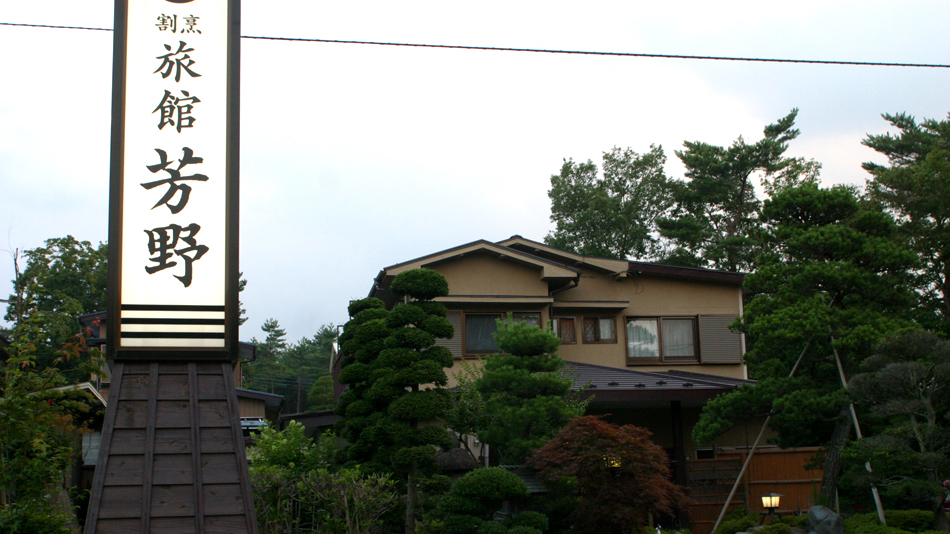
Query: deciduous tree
[[620, 475], [610, 215], [62, 280]]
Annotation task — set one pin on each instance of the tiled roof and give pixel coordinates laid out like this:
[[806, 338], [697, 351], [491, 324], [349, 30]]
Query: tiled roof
[[609, 381]]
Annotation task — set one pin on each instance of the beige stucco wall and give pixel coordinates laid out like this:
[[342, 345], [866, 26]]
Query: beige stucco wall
[[481, 274], [488, 275]]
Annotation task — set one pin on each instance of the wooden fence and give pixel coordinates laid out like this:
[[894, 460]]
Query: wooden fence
[[771, 470]]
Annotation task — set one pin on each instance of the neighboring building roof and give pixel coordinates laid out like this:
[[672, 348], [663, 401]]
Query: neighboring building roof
[[271, 400], [613, 385], [529, 477], [314, 422]]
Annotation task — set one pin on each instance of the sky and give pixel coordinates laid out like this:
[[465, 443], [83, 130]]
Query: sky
[[357, 157]]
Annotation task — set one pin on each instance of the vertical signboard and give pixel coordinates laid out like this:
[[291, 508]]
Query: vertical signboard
[[174, 180]]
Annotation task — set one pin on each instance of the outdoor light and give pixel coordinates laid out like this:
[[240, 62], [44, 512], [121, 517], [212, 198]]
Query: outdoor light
[[612, 461], [770, 501]]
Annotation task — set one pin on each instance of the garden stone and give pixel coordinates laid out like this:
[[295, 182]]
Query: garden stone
[[822, 520]]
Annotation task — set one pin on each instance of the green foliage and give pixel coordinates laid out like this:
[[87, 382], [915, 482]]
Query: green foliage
[[468, 506], [834, 269], [295, 490], [613, 215], [738, 521], [910, 520], [525, 340], [775, 528], [320, 395], [35, 520], [290, 449], [294, 370], [394, 410], [62, 280], [898, 522], [516, 401], [714, 222], [915, 187], [41, 425], [905, 388], [620, 476], [420, 284], [535, 520]]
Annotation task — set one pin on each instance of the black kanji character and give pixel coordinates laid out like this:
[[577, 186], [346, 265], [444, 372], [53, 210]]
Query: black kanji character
[[174, 176], [177, 61], [162, 243], [176, 111]]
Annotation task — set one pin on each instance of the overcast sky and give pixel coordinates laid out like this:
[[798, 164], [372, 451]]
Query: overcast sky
[[356, 157]]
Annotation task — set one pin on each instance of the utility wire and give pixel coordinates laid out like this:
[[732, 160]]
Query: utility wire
[[547, 51]]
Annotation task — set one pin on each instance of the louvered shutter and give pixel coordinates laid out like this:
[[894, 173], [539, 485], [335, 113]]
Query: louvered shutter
[[455, 343], [718, 344]]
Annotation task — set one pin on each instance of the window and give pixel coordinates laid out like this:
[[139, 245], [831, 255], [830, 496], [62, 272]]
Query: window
[[662, 339], [564, 328], [480, 327], [599, 330]]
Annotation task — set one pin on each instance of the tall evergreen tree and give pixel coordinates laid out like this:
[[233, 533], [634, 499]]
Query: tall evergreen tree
[[266, 372], [915, 187], [833, 279], [715, 217], [396, 404]]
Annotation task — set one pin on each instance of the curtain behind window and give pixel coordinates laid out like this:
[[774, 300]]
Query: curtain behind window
[[678, 338], [643, 340], [478, 333]]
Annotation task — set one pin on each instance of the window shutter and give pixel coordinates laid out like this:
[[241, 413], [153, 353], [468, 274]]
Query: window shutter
[[455, 343], [718, 344]]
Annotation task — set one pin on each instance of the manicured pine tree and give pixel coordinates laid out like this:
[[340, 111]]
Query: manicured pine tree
[[526, 399], [396, 402]]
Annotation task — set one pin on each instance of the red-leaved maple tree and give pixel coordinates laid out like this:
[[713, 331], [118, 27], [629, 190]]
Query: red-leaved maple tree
[[620, 475]]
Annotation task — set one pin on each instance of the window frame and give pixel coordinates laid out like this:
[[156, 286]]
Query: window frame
[[556, 327], [466, 353], [598, 318], [663, 359]]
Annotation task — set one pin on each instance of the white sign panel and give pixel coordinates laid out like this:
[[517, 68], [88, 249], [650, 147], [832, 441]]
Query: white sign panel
[[174, 190]]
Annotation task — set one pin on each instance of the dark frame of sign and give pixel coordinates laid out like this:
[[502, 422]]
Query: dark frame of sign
[[172, 456], [231, 305]]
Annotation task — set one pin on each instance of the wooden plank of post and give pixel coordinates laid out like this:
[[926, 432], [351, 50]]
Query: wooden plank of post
[[172, 457]]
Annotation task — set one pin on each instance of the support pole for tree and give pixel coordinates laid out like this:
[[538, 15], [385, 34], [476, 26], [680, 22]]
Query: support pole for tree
[[857, 431], [755, 445]]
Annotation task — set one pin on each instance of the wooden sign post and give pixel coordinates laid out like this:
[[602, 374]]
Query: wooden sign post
[[172, 457]]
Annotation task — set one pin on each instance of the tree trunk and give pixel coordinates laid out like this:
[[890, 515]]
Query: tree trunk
[[411, 483], [829, 481]]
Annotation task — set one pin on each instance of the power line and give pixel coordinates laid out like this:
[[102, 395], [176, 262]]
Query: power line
[[546, 51]]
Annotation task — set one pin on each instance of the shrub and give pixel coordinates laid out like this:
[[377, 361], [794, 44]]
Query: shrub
[[775, 528], [737, 521], [916, 521], [535, 520], [910, 520]]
